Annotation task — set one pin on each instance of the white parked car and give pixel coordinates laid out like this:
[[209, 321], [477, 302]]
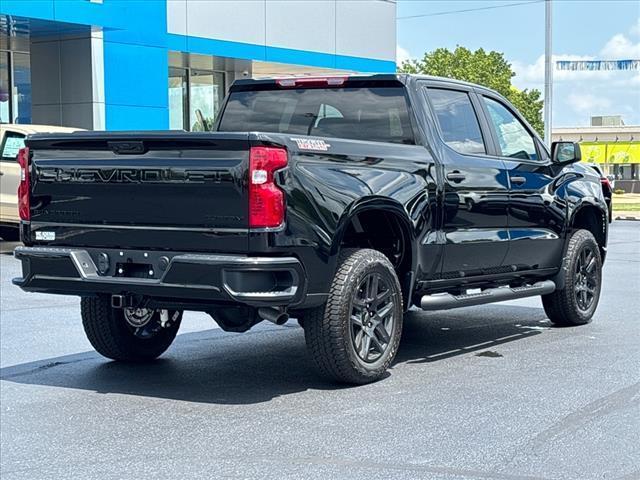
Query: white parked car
[[11, 140]]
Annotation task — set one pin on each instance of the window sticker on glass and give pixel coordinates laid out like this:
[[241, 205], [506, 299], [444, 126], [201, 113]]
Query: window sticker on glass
[[11, 146]]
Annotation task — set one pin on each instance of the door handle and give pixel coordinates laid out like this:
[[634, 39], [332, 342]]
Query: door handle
[[456, 176], [518, 180]]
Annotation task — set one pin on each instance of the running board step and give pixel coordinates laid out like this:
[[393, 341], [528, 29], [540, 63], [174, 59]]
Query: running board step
[[445, 301]]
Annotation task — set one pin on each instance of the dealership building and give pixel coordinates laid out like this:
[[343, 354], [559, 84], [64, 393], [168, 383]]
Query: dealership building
[[158, 64], [611, 144]]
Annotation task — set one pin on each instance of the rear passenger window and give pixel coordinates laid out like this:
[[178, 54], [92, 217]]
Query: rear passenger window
[[457, 119]]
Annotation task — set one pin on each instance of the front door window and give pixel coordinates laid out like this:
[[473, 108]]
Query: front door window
[[514, 139]]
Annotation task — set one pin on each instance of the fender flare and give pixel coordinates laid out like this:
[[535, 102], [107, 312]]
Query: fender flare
[[586, 202], [381, 204]]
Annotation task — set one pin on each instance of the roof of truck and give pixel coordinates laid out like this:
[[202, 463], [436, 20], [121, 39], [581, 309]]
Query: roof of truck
[[377, 77]]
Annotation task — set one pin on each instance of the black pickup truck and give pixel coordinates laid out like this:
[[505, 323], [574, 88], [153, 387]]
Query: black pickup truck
[[341, 201]]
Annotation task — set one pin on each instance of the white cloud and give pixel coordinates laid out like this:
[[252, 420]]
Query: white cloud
[[620, 47], [532, 75], [587, 103], [402, 54]]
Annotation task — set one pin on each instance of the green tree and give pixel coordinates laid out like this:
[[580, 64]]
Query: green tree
[[490, 69]]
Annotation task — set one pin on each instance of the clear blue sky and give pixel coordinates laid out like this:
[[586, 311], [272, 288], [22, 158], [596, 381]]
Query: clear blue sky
[[589, 29]]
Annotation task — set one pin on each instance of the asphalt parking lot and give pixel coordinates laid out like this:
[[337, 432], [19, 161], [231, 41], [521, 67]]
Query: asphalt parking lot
[[489, 392]]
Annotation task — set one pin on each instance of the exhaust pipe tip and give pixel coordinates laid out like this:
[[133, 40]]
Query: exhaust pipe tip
[[273, 315]]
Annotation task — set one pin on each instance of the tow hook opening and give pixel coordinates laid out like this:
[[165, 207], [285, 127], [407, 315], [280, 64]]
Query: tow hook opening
[[118, 301], [128, 301]]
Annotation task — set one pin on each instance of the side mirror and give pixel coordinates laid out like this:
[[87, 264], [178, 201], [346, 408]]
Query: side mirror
[[565, 152]]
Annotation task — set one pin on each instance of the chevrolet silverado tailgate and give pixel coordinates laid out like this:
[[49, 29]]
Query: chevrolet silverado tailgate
[[140, 190]]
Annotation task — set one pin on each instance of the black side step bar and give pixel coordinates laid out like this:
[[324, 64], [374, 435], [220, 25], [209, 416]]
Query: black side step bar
[[445, 301]]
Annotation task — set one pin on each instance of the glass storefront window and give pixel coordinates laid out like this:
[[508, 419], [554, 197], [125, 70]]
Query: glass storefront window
[[206, 90], [21, 88], [626, 172], [178, 99], [5, 93], [195, 98], [15, 87]]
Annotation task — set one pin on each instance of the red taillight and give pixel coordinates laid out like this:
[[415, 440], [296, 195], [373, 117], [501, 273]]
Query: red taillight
[[311, 81], [605, 181], [23, 187], [266, 200]]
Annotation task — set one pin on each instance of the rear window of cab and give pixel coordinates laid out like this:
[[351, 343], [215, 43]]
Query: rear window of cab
[[377, 114]]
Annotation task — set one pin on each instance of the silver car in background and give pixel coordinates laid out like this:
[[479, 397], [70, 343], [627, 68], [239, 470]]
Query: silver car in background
[[11, 140]]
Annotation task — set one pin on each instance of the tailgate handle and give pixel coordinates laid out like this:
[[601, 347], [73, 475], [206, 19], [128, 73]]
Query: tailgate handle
[[126, 148]]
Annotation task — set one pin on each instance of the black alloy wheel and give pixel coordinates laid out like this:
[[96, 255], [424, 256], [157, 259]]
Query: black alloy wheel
[[372, 318], [587, 280]]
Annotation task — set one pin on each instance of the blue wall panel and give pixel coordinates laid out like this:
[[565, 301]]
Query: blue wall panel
[[301, 57], [41, 9], [136, 65], [127, 117], [135, 76], [365, 64], [224, 48], [142, 22], [208, 46]]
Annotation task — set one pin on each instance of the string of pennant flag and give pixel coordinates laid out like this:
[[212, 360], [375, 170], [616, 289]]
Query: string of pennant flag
[[594, 65]]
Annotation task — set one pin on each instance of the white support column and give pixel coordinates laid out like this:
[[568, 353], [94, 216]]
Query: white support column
[[97, 79]]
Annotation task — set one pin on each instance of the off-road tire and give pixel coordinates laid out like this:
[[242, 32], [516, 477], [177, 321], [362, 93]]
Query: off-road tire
[[111, 336], [328, 329], [562, 306]]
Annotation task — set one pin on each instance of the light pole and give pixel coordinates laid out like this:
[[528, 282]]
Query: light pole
[[548, 72]]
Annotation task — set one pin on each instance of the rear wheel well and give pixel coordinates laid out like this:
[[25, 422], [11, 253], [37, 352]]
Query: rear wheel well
[[592, 219], [386, 232]]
